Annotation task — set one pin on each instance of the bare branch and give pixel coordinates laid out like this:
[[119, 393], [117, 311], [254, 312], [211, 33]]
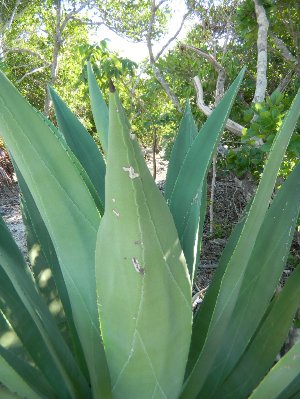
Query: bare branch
[[71, 14], [156, 6], [262, 55], [173, 37], [285, 52], [35, 70], [216, 65], [13, 15], [210, 58], [57, 39], [285, 81], [232, 126], [152, 59], [149, 33], [89, 22], [27, 51]]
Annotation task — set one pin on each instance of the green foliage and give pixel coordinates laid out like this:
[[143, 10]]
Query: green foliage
[[106, 64], [129, 333], [265, 121]]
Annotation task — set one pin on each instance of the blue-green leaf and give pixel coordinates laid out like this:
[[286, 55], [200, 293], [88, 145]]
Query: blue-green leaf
[[99, 109], [191, 173], [139, 259], [81, 144]]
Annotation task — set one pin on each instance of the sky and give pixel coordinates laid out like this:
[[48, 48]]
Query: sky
[[138, 51]]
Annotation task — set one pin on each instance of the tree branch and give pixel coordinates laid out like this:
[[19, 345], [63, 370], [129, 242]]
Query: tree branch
[[152, 59], [156, 6], [282, 48], [13, 15], [31, 72], [232, 126], [210, 58], [286, 80], [27, 51], [173, 37], [71, 14]]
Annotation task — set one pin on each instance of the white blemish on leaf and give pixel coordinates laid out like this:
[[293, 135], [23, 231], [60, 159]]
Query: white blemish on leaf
[[113, 200], [132, 136], [137, 266], [116, 213], [131, 172], [138, 242]]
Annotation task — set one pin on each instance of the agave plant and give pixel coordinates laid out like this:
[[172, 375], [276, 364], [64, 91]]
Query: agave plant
[[104, 309]]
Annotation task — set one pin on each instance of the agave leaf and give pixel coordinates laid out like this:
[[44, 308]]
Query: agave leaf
[[81, 143], [76, 164], [5, 394], [43, 259], [33, 323], [139, 259], [266, 263], [184, 139], [69, 213], [24, 379], [267, 343], [203, 316], [233, 277], [99, 109], [191, 174], [13, 381]]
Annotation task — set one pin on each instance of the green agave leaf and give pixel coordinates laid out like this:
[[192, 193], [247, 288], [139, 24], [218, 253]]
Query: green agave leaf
[[203, 317], [33, 323], [191, 174], [81, 143], [139, 259], [8, 338], [22, 378], [267, 343], [99, 109], [13, 381], [184, 139], [44, 260], [266, 264], [85, 177], [233, 276], [69, 213], [5, 394]]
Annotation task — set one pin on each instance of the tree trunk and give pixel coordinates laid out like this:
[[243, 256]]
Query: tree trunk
[[262, 56], [55, 55]]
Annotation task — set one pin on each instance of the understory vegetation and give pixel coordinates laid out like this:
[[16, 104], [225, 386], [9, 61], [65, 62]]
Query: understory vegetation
[[104, 304]]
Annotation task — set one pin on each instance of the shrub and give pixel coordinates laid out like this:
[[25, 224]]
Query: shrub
[[121, 278]]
